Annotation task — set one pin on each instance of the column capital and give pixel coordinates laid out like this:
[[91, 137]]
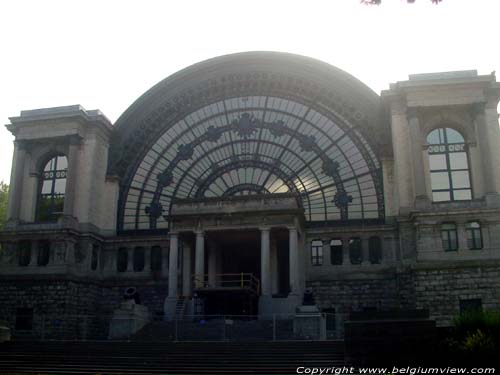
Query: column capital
[[75, 140], [173, 234], [412, 112], [477, 109], [264, 229]]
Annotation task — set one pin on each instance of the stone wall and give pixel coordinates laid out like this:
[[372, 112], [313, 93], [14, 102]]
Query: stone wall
[[389, 293], [72, 309], [440, 289]]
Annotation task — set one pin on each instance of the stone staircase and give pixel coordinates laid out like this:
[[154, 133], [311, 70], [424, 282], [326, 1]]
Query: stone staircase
[[216, 330], [105, 357]]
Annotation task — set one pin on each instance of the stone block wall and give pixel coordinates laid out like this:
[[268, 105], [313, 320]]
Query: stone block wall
[[72, 309], [440, 290], [344, 296]]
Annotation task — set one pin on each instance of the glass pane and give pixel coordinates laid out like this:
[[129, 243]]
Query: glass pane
[[437, 162], [433, 137], [453, 136], [458, 160], [462, 195], [460, 179], [449, 227], [439, 180], [58, 205], [62, 162], [440, 196], [50, 165], [336, 243], [60, 186], [47, 187], [474, 224]]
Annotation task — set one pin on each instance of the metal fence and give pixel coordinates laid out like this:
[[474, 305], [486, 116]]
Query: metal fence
[[273, 327]]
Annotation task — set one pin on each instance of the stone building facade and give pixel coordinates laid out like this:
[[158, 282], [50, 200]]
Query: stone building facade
[[245, 179]]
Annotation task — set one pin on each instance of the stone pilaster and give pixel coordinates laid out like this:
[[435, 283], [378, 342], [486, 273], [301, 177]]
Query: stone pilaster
[[200, 258], [186, 270], [265, 262], [72, 176], [421, 198], [294, 260], [172, 270], [16, 181]]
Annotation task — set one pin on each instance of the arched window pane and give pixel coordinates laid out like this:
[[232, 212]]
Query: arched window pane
[[122, 260], [52, 189], [43, 252], [336, 252], [355, 250], [375, 250], [449, 237], [453, 136], [138, 259], [474, 236], [448, 165], [156, 258], [317, 253]]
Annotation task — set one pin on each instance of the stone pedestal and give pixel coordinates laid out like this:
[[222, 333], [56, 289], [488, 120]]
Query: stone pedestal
[[4, 332], [309, 323], [128, 319]]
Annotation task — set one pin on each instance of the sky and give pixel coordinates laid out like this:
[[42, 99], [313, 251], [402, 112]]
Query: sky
[[104, 54]]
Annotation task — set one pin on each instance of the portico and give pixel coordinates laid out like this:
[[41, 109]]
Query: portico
[[246, 245]]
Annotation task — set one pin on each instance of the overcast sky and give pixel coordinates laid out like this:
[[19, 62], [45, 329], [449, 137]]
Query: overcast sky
[[105, 54]]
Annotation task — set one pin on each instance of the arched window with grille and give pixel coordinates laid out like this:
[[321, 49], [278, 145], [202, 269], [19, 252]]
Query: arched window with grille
[[52, 189], [375, 250], [449, 237], [474, 235], [317, 253], [449, 166]]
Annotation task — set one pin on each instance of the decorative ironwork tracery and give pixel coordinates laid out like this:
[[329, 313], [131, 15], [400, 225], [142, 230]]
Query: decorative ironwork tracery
[[297, 149]]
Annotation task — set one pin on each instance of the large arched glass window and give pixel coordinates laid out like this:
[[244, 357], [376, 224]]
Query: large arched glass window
[[52, 189], [449, 166]]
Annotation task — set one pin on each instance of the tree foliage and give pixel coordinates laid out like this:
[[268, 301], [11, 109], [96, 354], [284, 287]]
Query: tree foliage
[[4, 195]]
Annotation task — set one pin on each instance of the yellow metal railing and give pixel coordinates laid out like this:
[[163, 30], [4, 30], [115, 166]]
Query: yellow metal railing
[[227, 280]]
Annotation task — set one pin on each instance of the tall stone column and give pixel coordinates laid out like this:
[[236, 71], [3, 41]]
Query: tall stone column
[[16, 181], [212, 264], [265, 262], [421, 198], [294, 260], [489, 169], [274, 267], [186, 270], [200, 259], [72, 176], [172, 269]]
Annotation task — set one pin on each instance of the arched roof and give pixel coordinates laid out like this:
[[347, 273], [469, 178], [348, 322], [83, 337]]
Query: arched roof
[[256, 122]]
